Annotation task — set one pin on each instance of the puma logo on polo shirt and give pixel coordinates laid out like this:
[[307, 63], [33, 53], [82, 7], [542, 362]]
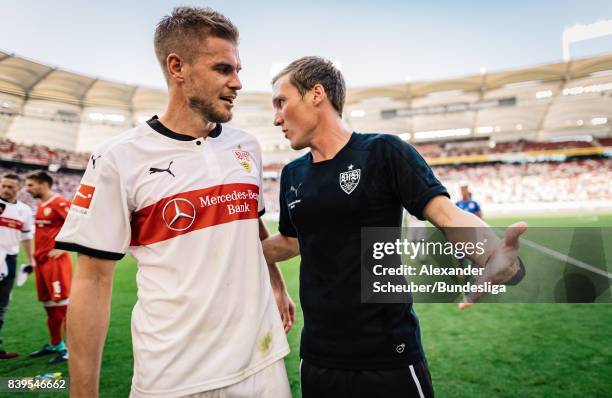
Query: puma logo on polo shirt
[[153, 170]]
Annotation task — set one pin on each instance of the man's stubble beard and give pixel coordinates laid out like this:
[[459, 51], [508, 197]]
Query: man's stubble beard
[[208, 112]]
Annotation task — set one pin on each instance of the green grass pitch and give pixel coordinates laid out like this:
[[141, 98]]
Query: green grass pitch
[[505, 350]]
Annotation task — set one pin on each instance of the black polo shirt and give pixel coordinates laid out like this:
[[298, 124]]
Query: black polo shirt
[[325, 205]]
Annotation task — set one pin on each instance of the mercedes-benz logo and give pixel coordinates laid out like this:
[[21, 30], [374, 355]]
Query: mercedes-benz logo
[[178, 214]]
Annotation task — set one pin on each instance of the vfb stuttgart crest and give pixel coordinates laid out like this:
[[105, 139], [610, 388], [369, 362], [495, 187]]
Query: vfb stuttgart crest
[[244, 158], [350, 179]]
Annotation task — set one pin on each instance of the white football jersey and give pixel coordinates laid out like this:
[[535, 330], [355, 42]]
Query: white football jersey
[[16, 224], [188, 211]]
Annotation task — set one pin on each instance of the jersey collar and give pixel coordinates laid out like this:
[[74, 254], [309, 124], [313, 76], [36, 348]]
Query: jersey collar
[[156, 125], [46, 202], [6, 201]]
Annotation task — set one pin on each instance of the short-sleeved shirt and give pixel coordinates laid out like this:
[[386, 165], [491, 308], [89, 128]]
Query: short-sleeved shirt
[[16, 224], [325, 205], [50, 216], [188, 211], [471, 206]]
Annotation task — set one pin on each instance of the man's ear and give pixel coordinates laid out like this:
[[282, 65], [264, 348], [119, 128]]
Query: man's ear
[[318, 94], [175, 66]]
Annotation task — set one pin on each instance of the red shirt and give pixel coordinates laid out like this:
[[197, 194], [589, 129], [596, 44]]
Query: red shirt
[[50, 216]]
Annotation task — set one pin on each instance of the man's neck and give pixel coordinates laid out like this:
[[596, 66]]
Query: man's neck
[[13, 200], [180, 118], [46, 196], [329, 139]]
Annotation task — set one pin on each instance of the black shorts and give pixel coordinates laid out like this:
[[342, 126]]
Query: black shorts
[[414, 381]]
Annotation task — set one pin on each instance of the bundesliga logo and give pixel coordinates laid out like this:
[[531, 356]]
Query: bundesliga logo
[[83, 196]]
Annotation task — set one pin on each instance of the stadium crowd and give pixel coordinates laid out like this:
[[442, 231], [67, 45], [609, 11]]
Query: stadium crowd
[[576, 180], [65, 184], [41, 155], [489, 147], [45, 156]]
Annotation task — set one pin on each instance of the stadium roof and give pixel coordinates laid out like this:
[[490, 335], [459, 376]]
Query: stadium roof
[[30, 79], [23, 77], [34, 96]]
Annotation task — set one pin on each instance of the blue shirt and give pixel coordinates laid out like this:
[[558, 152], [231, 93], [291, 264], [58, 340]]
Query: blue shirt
[[470, 206]]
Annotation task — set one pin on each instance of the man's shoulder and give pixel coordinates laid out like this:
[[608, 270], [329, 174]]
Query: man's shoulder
[[122, 139], [233, 132], [60, 201], [236, 136], [369, 141], [298, 163], [21, 205]]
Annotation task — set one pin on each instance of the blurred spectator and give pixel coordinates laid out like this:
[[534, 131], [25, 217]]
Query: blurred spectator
[[586, 179], [576, 180], [42, 155]]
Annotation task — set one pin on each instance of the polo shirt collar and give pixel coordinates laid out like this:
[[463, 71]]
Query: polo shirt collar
[[156, 125]]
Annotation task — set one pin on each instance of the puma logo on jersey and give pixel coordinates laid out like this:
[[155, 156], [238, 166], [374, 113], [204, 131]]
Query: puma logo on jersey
[[153, 170], [93, 160], [295, 190]]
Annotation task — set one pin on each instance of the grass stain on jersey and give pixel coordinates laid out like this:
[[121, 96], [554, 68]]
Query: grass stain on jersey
[[265, 343]]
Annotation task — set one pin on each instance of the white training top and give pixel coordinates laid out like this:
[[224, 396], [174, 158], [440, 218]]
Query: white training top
[[16, 224], [188, 209]]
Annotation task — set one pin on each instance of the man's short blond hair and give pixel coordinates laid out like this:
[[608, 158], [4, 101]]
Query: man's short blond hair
[[179, 31], [305, 72]]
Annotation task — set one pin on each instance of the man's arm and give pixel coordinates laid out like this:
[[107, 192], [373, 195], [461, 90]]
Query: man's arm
[[286, 306], [26, 244], [87, 323], [61, 209], [280, 248], [499, 257]]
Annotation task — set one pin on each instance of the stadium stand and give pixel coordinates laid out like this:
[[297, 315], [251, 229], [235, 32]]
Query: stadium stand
[[571, 181], [539, 135]]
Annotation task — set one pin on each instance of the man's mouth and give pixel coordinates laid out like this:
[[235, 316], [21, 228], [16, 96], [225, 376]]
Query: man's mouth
[[229, 99]]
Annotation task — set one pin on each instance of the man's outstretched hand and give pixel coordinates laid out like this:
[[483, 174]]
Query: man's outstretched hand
[[502, 266]]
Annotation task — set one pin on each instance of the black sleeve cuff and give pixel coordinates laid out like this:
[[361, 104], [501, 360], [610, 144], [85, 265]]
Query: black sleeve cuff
[[519, 275], [261, 213], [104, 255], [424, 200], [285, 232]]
